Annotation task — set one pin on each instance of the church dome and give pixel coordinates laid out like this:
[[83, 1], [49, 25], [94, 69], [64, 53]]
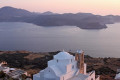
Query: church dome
[[63, 55]]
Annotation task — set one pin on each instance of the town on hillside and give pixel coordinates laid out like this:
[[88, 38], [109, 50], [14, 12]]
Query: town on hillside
[[60, 65]]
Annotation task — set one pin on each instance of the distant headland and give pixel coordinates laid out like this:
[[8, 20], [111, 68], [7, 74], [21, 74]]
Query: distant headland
[[47, 19]]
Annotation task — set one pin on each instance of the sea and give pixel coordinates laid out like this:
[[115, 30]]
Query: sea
[[30, 37]]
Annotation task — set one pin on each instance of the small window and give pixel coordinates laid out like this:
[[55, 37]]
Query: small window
[[71, 60], [57, 61], [49, 70], [73, 67]]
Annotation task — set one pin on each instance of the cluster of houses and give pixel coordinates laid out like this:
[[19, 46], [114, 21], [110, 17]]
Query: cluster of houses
[[12, 72], [63, 67]]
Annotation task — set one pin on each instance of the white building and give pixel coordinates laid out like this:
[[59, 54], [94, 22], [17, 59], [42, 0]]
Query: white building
[[66, 67], [4, 68], [12, 72], [117, 77], [16, 74]]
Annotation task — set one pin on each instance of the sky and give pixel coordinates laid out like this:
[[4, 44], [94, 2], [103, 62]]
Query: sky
[[101, 7]]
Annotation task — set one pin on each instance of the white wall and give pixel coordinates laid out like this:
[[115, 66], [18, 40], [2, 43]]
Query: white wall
[[68, 68], [36, 77], [91, 75], [85, 67], [98, 78], [6, 69]]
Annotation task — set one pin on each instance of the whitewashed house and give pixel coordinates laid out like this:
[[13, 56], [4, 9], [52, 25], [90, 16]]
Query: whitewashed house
[[12, 72], [16, 74], [3, 68], [117, 77], [66, 67]]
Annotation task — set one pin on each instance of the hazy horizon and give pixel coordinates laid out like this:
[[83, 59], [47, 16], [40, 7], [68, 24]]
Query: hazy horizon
[[100, 7]]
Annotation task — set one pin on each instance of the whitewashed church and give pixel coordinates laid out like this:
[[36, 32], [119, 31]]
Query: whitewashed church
[[66, 67]]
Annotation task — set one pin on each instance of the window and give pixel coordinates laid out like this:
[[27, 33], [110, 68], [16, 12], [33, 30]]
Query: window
[[73, 67], [71, 60], [57, 61], [49, 70], [91, 78]]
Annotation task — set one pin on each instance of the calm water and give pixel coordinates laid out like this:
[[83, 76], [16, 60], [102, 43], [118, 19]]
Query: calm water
[[24, 36]]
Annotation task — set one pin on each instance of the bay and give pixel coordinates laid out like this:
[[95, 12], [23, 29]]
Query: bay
[[25, 36]]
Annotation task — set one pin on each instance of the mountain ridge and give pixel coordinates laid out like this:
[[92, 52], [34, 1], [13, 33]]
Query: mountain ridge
[[47, 19]]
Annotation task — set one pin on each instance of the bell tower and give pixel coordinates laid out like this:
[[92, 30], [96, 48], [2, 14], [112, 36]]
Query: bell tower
[[79, 57]]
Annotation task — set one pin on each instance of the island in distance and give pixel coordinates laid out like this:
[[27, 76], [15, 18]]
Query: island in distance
[[47, 19]]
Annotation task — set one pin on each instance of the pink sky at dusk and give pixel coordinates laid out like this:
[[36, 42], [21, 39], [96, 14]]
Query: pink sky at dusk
[[103, 7]]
